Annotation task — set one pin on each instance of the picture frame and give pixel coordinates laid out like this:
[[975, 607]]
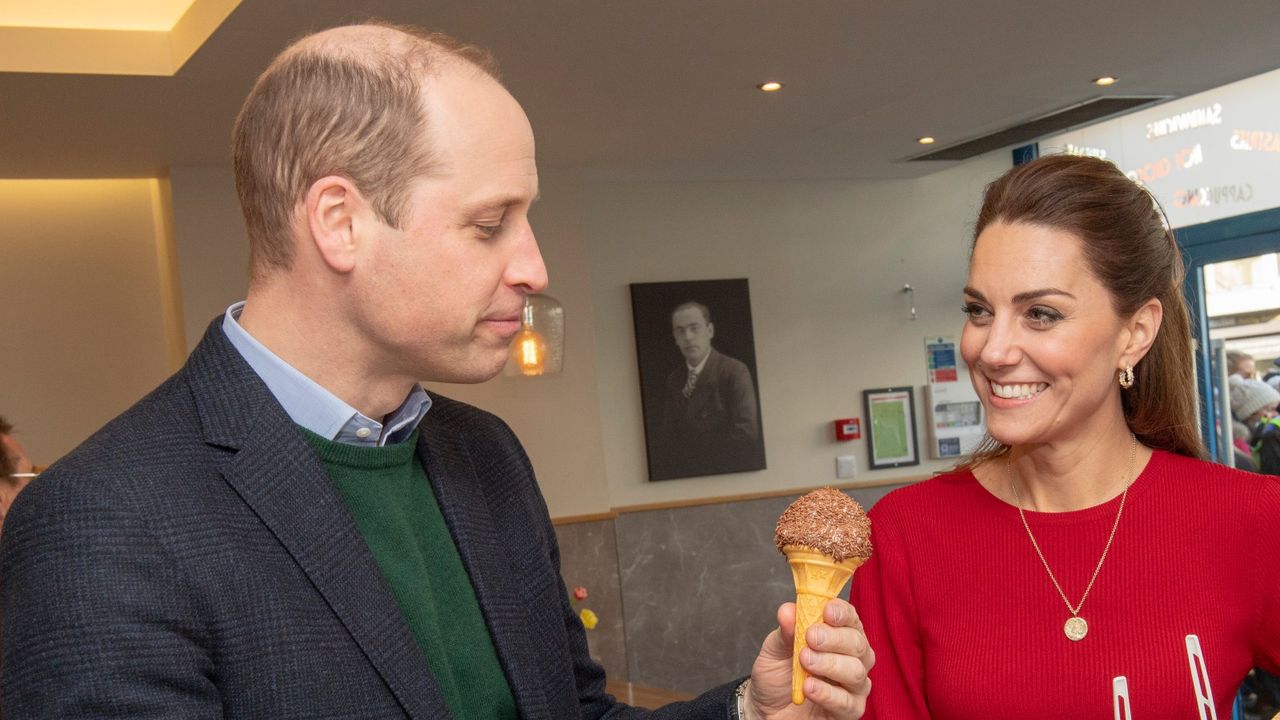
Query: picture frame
[[891, 427], [710, 423]]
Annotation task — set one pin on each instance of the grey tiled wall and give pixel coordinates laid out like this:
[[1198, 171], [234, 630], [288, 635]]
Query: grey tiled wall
[[695, 589], [589, 557]]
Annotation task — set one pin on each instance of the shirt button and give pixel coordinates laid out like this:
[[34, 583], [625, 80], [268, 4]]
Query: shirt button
[[362, 433]]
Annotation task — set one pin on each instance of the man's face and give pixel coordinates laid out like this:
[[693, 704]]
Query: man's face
[[693, 334], [440, 297]]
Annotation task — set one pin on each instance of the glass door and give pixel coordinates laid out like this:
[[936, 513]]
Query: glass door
[[1233, 291]]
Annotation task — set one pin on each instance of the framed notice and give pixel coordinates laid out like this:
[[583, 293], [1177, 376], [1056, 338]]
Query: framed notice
[[891, 427]]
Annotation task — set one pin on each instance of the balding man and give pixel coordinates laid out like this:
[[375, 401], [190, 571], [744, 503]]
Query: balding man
[[290, 527]]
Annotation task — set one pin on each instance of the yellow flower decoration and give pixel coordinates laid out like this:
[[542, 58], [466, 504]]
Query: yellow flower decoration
[[589, 619]]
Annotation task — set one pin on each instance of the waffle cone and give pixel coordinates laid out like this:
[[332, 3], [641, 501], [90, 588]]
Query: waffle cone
[[818, 578]]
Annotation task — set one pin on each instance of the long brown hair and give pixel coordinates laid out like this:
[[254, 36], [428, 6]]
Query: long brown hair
[[1130, 250]]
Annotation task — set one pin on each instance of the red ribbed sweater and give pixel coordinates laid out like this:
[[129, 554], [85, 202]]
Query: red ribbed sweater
[[966, 624]]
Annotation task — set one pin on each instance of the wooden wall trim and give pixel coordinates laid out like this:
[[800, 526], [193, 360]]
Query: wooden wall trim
[[723, 499], [589, 517]]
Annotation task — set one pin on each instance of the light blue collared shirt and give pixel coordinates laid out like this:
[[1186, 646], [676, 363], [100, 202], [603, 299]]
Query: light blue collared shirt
[[315, 408]]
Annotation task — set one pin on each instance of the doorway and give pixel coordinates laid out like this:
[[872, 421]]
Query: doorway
[[1233, 293]]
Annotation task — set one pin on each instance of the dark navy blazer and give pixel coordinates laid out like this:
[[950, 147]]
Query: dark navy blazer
[[193, 560]]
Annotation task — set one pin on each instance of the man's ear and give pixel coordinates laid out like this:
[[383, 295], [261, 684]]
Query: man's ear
[[333, 206], [1143, 326]]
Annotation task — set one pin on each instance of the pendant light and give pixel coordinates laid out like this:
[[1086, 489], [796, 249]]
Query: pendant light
[[538, 349]]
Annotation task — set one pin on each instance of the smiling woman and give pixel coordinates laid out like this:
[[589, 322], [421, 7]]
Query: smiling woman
[[1085, 222], [1078, 346]]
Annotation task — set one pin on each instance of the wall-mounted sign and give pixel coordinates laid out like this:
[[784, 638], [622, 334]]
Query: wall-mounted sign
[[1205, 157]]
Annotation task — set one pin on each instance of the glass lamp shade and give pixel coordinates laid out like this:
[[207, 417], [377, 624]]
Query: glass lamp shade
[[538, 349]]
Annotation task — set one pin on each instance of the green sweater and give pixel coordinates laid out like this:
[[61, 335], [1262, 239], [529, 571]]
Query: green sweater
[[387, 491]]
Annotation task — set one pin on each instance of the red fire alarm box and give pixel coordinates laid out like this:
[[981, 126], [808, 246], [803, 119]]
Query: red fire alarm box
[[848, 429]]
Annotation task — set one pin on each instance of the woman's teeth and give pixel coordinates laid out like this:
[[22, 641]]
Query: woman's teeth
[[1024, 391]]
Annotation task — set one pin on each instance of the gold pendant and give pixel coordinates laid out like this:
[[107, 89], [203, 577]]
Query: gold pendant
[[1076, 628]]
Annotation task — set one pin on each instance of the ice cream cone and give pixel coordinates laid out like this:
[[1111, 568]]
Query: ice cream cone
[[818, 578]]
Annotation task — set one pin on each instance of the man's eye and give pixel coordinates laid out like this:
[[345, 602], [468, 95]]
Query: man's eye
[[488, 231]]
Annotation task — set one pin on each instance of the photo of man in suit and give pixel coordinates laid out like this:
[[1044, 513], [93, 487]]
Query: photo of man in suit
[[710, 414], [291, 527]]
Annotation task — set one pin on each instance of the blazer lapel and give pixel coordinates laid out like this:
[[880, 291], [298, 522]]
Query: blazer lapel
[[458, 489], [284, 483]]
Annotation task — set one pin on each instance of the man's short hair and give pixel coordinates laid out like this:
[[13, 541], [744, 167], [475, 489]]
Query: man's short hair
[[353, 112], [706, 313]]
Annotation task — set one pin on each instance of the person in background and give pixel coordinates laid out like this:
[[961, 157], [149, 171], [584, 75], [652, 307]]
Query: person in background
[[16, 470], [1272, 376], [290, 526], [1240, 448], [1059, 571], [1241, 364], [1254, 403]]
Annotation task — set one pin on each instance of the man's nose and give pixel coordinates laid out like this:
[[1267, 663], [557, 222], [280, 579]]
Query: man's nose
[[527, 270]]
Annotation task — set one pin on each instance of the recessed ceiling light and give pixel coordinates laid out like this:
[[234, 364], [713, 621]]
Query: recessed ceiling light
[[122, 37], [926, 140], [770, 86], [1104, 81]]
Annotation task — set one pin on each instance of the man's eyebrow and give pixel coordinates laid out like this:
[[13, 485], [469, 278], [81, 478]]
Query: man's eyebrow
[[1022, 297], [501, 202]]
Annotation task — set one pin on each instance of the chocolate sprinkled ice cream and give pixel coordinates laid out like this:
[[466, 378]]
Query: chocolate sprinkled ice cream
[[828, 521]]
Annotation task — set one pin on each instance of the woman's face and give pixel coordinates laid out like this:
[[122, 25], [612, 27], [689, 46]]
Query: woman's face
[[1042, 341]]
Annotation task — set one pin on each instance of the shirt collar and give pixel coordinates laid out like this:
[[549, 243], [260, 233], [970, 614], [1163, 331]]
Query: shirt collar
[[698, 368], [314, 407]]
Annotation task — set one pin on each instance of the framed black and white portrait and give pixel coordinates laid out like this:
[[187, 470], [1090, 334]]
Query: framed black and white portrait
[[698, 379]]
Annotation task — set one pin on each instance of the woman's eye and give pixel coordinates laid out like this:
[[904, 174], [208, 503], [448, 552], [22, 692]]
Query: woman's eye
[[976, 312], [1043, 316], [488, 231]]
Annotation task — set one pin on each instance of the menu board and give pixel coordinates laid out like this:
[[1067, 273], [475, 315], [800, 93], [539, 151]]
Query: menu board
[[1205, 157]]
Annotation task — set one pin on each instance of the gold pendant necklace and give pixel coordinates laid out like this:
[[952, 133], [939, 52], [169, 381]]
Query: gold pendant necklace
[[1075, 628]]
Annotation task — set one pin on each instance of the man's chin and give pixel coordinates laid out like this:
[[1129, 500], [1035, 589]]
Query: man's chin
[[472, 372]]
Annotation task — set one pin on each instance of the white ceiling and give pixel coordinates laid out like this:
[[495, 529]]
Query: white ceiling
[[665, 88]]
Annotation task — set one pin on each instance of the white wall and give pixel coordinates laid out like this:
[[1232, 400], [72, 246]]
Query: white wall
[[82, 306], [212, 247], [826, 262]]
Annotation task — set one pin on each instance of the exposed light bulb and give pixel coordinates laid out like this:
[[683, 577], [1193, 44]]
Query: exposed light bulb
[[538, 347], [530, 352], [529, 349]]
